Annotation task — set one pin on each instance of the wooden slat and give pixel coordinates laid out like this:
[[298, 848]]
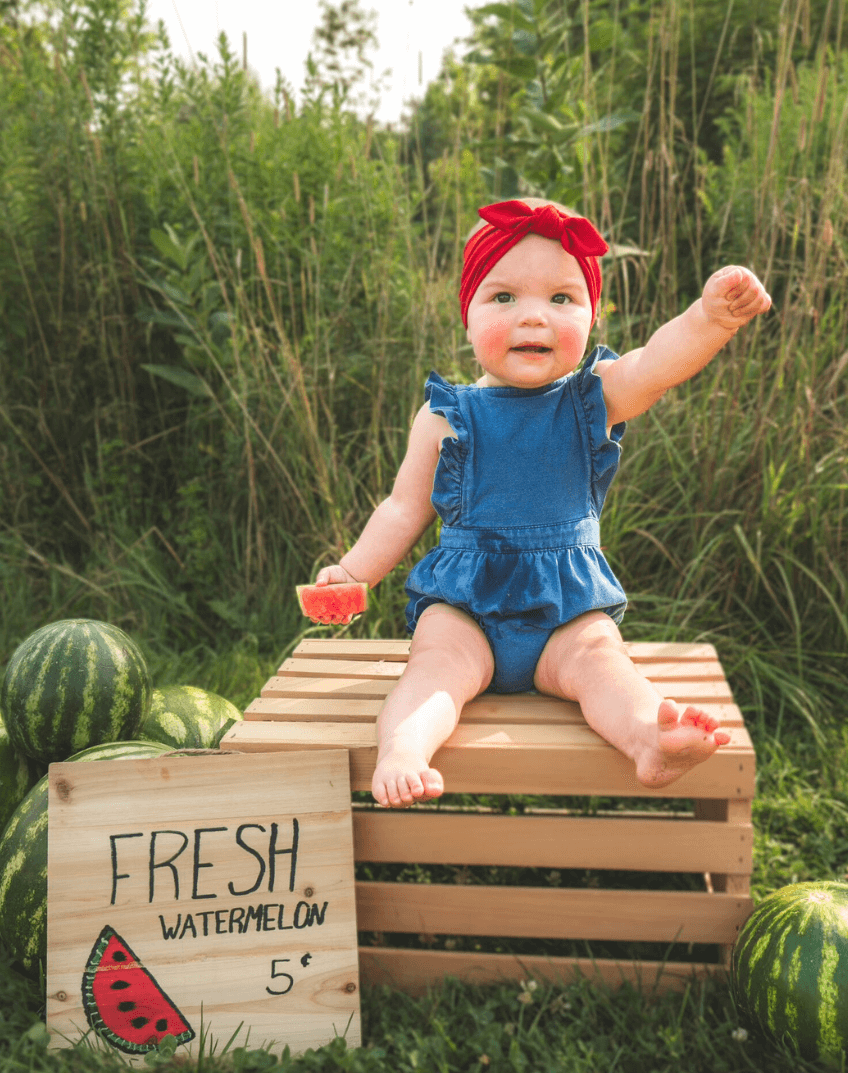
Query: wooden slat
[[510, 758], [413, 971], [341, 668], [396, 649], [339, 677], [534, 912], [336, 666], [256, 736], [372, 648], [681, 670], [620, 844], [320, 709], [347, 688], [492, 708]]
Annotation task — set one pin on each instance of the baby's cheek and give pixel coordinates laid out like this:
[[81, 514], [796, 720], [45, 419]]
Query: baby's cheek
[[492, 337], [574, 334]]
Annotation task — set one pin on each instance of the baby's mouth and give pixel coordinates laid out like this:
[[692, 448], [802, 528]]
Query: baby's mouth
[[530, 348]]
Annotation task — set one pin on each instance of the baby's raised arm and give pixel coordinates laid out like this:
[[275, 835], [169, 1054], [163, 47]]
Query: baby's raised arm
[[401, 518], [683, 346]]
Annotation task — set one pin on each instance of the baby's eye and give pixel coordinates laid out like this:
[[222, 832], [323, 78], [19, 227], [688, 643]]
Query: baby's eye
[[561, 299], [502, 297]]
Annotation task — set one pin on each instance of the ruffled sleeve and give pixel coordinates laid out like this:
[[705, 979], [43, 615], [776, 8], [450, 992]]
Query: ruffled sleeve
[[447, 482], [605, 450]]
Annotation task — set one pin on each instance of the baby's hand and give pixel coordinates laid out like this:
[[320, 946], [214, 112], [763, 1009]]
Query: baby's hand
[[333, 575], [733, 296]]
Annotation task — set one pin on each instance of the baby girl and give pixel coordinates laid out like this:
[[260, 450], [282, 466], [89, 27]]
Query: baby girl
[[518, 595]]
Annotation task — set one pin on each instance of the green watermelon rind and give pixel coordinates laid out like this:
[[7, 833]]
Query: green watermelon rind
[[92, 1010], [347, 598], [786, 967], [72, 684], [187, 717], [137, 749], [18, 775], [23, 881], [23, 860]]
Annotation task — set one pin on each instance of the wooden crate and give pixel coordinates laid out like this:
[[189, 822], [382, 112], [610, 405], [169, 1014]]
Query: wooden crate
[[328, 694]]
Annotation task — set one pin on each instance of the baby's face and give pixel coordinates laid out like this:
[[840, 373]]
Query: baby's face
[[530, 318]]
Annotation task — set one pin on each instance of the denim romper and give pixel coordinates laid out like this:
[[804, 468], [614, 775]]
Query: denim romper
[[520, 493]]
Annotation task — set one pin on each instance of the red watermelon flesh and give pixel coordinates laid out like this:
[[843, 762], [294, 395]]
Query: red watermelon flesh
[[122, 1001], [330, 601]]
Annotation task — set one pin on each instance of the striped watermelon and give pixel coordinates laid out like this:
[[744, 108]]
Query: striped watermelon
[[73, 684], [790, 969], [23, 861], [186, 717], [18, 774]]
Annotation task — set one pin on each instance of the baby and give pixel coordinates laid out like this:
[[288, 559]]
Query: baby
[[518, 595]]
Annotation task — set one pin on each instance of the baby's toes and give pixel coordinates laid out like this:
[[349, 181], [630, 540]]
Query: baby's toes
[[395, 788], [695, 717], [432, 784], [667, 715], [409, 788]]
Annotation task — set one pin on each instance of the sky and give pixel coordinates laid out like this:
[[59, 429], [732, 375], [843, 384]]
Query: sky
[[279, 34]]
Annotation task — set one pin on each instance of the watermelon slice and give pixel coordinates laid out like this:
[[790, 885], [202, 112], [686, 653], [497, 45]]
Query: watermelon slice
[[123, 1003], [330, 601]]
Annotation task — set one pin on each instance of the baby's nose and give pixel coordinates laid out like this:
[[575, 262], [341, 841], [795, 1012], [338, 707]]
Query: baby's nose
[[533, 312]]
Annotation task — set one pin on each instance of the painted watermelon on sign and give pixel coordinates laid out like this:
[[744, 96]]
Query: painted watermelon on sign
[[123, 1003]]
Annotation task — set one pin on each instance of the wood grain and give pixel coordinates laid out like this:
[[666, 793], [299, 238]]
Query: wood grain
[[631, 843], [328, 695], [413, 971], [220, 872], [659, 916]]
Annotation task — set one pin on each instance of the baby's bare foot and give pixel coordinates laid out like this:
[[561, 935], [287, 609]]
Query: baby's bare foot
[[681, 742], [401, 779]]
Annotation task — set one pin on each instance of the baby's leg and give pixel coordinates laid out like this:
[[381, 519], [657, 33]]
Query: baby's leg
[[585, 660], [450, 662]]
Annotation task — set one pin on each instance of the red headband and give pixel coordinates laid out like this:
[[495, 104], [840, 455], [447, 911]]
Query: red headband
[[507, 224]]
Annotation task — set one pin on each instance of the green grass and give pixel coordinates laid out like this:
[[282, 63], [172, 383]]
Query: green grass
[[581, 1028]]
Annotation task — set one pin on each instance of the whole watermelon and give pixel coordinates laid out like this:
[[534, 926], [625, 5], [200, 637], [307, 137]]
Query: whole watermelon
[[73, 684], [790, 969], [18, 774], [187, 717], [23, 861]]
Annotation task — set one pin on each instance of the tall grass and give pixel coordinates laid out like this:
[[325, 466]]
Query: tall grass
[[221, 312]]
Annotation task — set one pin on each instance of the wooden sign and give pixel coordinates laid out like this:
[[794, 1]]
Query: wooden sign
[[202, 897]]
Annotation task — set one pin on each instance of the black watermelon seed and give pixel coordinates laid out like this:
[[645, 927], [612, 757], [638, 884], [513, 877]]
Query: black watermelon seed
[[119, 955], [125, 1007], [139, 1022], [119, 985], [161, 1024]]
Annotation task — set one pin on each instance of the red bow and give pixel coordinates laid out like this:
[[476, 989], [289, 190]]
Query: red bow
[[509, 222], [576, 233]]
